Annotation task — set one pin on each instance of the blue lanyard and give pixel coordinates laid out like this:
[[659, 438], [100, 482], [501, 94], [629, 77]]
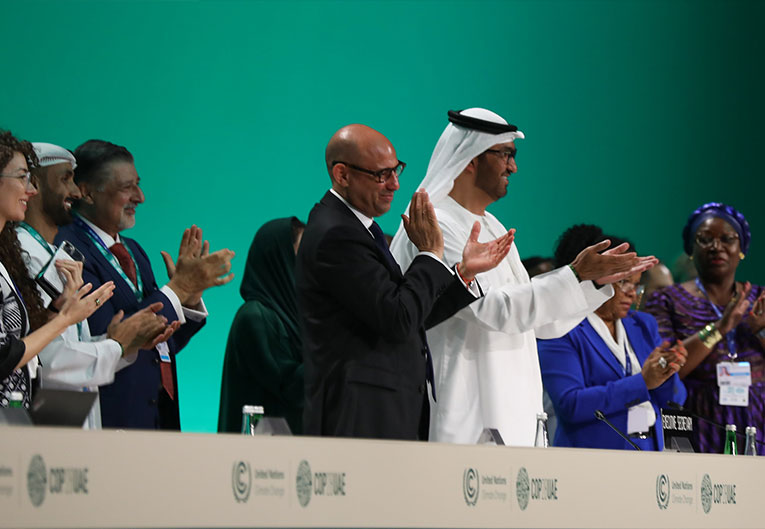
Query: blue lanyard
[[730, 336], [109, 256]]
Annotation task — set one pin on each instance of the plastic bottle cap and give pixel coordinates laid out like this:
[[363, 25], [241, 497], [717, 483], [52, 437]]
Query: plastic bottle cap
[[542, 415], [730, 427], [251, 409], [751, 430], [16, 396]]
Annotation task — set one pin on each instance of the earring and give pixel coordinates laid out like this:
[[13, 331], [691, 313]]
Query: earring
[[741, 255], [690, 258]]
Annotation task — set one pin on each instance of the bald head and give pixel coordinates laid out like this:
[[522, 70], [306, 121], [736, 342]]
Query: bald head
[[360, 147], [353, 142]]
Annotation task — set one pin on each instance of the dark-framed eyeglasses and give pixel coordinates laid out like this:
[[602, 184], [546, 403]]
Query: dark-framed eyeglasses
[[381, 176], [705, 241], [507, 155], [26, 176]]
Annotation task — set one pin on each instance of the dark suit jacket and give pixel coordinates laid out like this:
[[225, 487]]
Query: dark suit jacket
[[581, 374], [136, 398], [364, 328]]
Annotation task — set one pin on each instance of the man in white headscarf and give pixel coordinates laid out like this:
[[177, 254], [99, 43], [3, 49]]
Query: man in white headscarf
[[75, 360], [485, 356]]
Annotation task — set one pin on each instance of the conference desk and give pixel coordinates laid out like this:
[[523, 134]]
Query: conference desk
[[51, 477]]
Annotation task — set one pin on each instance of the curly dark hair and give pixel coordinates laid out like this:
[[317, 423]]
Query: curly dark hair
[[10, 248], [577, 238]]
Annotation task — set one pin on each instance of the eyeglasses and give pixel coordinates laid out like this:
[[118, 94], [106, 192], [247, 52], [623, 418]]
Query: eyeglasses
[[382, 176], [507, 155], [26, 176], [627, 286], [707, 242]]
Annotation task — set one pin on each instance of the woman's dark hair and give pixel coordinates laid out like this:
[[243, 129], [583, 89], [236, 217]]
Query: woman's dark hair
[[10, 249], [577, 238]]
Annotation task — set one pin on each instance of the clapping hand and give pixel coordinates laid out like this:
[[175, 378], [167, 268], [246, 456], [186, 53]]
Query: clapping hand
[[196, 268], [480, 257], [78, 304], [143, 330], [421, 225], [662, 363], [611, 265]]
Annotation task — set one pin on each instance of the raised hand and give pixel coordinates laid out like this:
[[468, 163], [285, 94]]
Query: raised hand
[[197, 269], [72, 272], [80, 304], [480, 257], [143, 330], [756, 317], [422, 225], [735, 310], [611, 265]]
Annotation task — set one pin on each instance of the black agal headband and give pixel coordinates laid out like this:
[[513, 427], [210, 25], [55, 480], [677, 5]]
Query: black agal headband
[[480, 125]]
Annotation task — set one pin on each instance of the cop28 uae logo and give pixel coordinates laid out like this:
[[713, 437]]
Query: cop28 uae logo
[[706, 493], [662, 491], [470, 486], [241, 480], [303, 483], [36, 480], [522, 488]]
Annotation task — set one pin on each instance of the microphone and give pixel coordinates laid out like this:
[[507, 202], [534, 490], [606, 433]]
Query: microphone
[[601, 417], [679, 407]]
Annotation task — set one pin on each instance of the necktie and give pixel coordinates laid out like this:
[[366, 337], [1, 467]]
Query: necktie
[[128, 266], [382, 245], [126, 262]]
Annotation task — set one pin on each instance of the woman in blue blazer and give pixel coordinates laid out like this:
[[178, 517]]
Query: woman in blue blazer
[[613, 361]]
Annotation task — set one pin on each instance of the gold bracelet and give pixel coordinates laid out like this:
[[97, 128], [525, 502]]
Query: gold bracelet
[[710, 336]]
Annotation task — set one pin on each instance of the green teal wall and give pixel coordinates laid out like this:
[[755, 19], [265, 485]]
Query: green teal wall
[[635, 113]]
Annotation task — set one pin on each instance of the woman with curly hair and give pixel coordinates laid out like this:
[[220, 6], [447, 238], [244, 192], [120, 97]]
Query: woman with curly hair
[[720, 320], [21, 309]]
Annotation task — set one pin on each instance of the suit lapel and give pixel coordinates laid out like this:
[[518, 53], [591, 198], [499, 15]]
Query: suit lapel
[[635, 336], [100, 262], [331, 201], [600, 347]]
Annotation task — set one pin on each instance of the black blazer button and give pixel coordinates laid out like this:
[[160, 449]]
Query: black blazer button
[[152, 402], [421, 389]]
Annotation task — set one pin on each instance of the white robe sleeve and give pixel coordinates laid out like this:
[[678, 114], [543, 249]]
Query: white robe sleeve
[[551, 304], [68, 361]]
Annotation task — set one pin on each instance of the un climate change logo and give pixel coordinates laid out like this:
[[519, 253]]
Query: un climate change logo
[[304, 483], [522, 488], [662, 491], [470, 485], [241, 480], [37, 480], [706, 493]]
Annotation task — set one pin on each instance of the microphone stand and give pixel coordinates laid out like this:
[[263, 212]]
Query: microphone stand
[[601, 417]]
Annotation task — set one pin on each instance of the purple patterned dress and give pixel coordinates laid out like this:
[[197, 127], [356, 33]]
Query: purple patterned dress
[[679, 315]]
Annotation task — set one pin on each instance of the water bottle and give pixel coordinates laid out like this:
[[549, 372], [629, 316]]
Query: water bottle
[[730, 440], [16, 400], [250, 417], [751, 444], [541, 437]]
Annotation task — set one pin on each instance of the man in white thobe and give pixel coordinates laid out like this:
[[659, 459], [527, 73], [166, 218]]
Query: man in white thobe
[[75, 360], [485, 356]]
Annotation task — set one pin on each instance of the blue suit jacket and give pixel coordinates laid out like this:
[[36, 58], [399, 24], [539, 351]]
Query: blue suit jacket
[[136, 398], [581, 375]]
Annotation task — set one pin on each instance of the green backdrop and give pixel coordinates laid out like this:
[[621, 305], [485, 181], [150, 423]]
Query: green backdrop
[[635, 113]]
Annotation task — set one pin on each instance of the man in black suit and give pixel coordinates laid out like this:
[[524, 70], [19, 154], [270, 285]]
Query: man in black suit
[[366, 358]]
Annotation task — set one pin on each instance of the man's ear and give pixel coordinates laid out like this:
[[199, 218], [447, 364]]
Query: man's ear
[[87, 196], [339, 175]]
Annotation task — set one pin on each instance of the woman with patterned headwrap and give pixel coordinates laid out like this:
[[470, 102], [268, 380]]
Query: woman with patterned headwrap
[[721, 321], [264, 363]]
